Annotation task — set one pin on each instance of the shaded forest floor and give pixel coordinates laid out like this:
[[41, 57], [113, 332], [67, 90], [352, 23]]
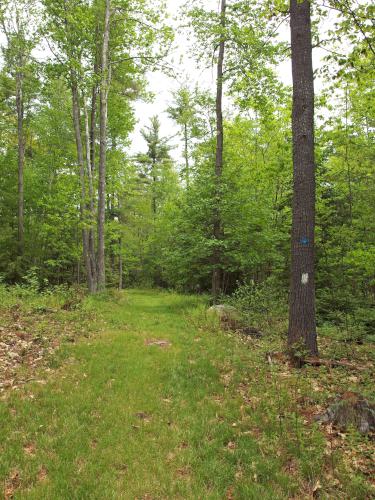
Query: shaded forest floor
[[136, 395]]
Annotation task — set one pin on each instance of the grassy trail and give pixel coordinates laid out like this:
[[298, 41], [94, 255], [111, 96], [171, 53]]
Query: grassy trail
[[196, 419]]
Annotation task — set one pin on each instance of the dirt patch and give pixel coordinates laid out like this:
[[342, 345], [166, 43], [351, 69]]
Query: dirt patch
[[158, 342]]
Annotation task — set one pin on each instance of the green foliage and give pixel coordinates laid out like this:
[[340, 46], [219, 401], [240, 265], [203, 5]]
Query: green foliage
[[261, 301], [159, 227]]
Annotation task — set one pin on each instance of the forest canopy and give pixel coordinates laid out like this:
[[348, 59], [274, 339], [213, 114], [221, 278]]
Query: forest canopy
[[79, 206]]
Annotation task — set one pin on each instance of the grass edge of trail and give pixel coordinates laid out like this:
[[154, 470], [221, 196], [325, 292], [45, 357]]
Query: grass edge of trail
[[205, 417]]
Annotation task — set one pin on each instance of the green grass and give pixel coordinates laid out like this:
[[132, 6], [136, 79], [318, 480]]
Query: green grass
[[216, 420]]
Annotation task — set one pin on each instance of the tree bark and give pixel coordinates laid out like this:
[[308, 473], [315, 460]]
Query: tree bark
[[89, 171], [186, 154], [94, 99], [81, 163], [120, 257], [21, 161], [104, 87], [153, 175], [217, 223], [302, 322]]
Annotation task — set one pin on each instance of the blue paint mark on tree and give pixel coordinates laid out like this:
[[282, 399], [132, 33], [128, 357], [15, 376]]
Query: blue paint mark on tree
[[304, 241]]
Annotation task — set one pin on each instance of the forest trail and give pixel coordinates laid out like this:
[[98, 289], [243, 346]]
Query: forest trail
[[155, 407]]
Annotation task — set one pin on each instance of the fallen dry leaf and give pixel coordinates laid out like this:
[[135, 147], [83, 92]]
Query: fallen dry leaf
[[42, 473], [11, 484], [29, 449], [231, 445], [184, 472], [229, 494]]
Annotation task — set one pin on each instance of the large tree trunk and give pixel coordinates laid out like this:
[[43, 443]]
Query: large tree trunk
[[302, 325], [217, 223], [21, 161], [81, 163], [104, 87]]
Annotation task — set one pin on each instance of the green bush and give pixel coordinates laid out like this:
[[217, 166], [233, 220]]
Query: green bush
[[261, 304]]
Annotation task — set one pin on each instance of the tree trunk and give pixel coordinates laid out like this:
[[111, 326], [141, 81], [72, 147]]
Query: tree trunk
[[120, 265], [217, 223], [153, 175], [94, 99], [89, 171], [81, 163], [120, 258], [302, 323], [104, 87], [186, 154], [21, 161]]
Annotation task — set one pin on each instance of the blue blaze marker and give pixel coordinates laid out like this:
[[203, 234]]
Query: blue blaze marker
[[304, 241]]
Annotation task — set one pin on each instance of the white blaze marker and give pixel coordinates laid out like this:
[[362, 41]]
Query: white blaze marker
[[305, 278]]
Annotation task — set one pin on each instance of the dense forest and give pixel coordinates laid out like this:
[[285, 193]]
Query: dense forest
[[263, 198], [76, 207]]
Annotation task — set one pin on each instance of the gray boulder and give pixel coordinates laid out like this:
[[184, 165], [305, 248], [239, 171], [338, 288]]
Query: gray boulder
[[228, 316]]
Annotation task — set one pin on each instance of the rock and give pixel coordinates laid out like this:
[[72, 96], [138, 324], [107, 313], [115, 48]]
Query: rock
[[223, 310], [351, 409], [230, 319], [228, 316]]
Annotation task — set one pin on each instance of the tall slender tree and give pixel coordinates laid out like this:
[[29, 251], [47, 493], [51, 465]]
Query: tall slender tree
[[302, 323], [17, 26], [104, 88], [154, 164], [217, 222], [183, 111]]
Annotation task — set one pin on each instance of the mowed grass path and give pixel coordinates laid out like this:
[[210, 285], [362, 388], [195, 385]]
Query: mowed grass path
[[123, 419]]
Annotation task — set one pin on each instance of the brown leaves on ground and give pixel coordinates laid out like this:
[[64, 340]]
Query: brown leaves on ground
[[29, 449], [28, 338], [231, 446], [42, 473], [184, 472], [21, 345], [342, 373], [158, 342], [11, 484], [229, 494]]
